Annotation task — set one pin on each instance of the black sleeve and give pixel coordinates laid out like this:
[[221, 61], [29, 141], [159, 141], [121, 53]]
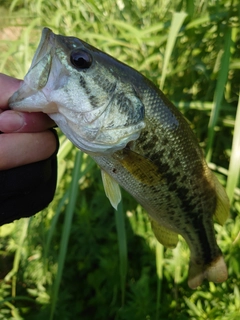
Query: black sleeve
[[27, 189]]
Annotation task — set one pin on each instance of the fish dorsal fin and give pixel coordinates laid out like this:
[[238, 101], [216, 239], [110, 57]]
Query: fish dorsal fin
[[112, 189], [165, 236], [223, 204]]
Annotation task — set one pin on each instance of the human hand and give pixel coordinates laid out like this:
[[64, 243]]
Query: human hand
[[28, 162], [25, 137]]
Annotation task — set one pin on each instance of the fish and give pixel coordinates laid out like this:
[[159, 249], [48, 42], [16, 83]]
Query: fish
[[138, 138]]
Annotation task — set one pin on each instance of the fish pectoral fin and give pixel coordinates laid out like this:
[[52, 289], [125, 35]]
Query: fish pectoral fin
[[165, 236], [215, 272], [140, 167], [223, 205], [112, 189]]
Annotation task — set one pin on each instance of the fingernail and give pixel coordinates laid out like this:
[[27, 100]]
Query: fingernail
[[11, 121]]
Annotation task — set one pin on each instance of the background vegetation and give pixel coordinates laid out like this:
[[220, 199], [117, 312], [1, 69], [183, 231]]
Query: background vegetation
[[78, 259]]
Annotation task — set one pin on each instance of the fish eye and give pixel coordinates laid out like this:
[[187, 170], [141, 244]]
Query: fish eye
[[81, 59]]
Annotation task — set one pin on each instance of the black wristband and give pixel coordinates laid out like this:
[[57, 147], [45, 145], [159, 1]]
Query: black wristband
[[27, 189]]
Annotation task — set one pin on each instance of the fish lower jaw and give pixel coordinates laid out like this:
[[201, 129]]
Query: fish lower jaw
[[89, 146], [31, 101], [50, 108]]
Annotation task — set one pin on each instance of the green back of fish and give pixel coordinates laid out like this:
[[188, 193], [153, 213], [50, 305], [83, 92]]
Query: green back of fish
[[165, 170]]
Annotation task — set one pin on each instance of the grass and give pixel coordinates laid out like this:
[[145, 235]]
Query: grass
[[79, 259], [66, 230]]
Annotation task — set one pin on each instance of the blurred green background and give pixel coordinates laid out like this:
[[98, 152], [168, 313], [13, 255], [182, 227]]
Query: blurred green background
[[79, 259]]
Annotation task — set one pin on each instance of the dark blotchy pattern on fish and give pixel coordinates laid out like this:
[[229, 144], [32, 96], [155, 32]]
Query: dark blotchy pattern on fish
[[196, 199], [138, 138]]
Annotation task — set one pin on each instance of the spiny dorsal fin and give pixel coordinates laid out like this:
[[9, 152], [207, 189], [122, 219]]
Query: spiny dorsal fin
[[165, 236], [112, 189], [223, 205]]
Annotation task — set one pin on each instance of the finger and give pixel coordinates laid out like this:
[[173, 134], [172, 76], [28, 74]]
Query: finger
[[20, 149], [14, 121], [8, 86]]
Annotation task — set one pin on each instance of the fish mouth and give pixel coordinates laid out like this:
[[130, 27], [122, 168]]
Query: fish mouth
[[45, 46], [38, 74]]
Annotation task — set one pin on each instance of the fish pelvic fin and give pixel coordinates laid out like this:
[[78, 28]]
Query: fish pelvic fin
[[165, 236], [112, 189], [223, 204], [215, 272]]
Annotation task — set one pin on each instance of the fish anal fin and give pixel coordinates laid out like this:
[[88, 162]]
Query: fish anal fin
[[215, 272], [223, 204], [165, 236], [112, 189]]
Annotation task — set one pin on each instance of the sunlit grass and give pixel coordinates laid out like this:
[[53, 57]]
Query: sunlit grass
[[122, 245], [79, 255], [234, 166]]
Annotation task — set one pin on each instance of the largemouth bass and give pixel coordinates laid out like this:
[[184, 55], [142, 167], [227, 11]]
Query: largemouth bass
[[137, 137]]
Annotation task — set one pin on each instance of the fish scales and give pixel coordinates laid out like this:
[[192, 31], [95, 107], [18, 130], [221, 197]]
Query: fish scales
[[175, 192], [137, 137]]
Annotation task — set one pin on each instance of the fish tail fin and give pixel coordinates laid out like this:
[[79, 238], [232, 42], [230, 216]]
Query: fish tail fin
[[216, 272]]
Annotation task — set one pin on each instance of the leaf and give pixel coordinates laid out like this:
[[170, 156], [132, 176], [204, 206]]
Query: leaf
[[177, 21], [234, 166], [218, 95], [122, 247], [66, 230]]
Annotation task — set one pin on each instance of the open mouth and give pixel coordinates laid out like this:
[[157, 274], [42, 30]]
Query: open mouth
[[45, 46], [37, 76]]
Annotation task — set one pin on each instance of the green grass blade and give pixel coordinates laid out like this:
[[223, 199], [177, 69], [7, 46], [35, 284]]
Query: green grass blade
[[13, 4], [190, 7], [23, 225], [53, 228], [64, 149], [122, 245], [177, 21], [234, 166], [159, 267], [218, 96], [66, 230]]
